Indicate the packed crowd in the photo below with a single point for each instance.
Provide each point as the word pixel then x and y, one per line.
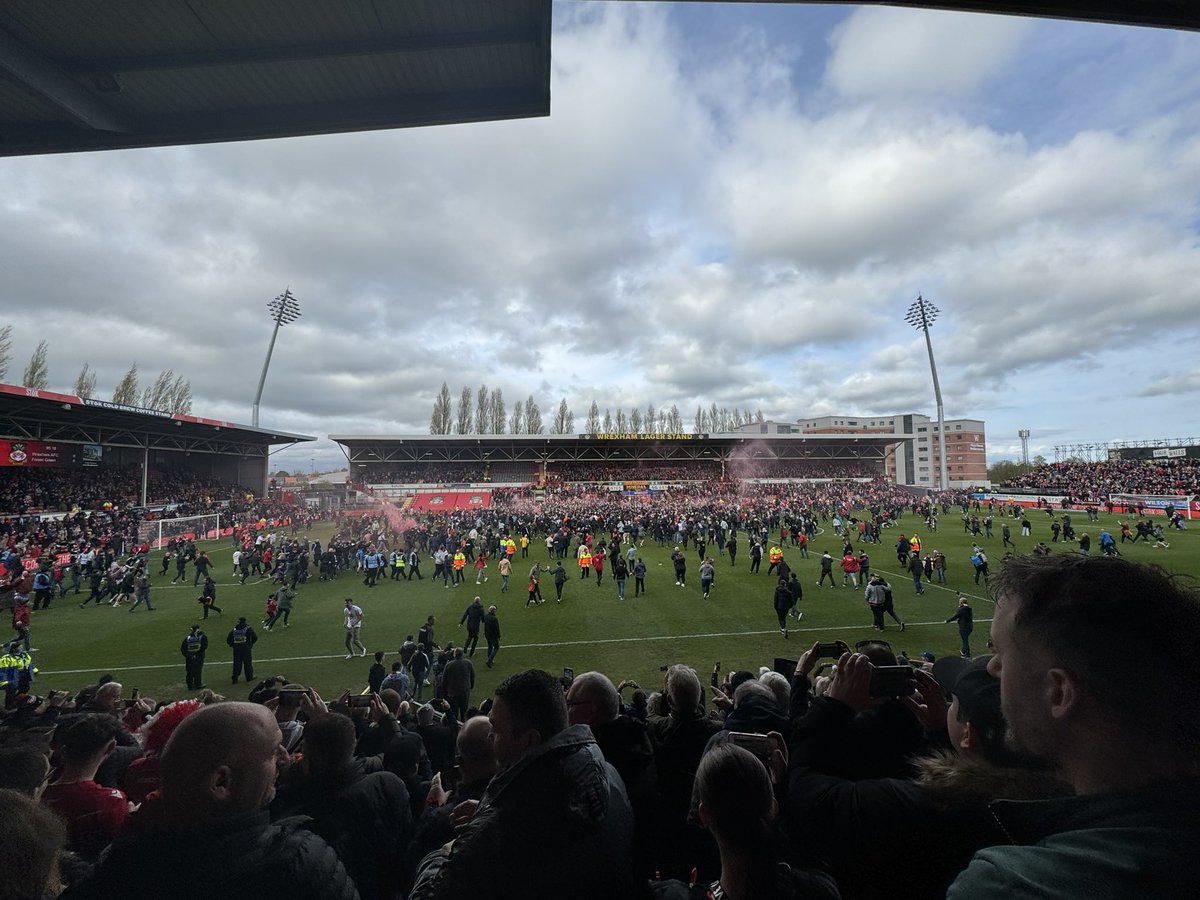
pixel 849 772
pixel 24 491
pixel 1083 481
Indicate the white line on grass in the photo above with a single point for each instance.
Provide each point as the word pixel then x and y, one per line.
pixel 630 640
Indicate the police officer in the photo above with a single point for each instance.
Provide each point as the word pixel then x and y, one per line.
pixel 242 639
pixel 193 649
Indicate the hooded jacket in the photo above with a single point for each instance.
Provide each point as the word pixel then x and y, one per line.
pixel 555 824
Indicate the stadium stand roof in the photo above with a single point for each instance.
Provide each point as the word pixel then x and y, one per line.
pixel 81 75
pixel 373 449
pixel 27 414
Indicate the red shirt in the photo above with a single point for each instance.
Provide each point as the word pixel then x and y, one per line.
pixel 20 617
pixel 94 814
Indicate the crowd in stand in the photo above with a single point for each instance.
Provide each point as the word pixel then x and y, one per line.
pixel 1096 481
pixel 1042 771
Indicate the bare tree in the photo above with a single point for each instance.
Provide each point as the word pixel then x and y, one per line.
pixel 533 417
pixel 158 395
pixel 662 421
pixel 593 418
pixel 439 421
pixel 621 422
pixel 608 422
pixel 714 419
pixel 37 376
pixel 516 422
pixel 482 419
pixel 5 350
pixel 698 422
pixel 181 396
pixel 85 384
pixel 651 420
pixel 758 416
pixel 498 410
pixel 635 421
pixel 674 420
pixel 126 392
pixel 561 418
pixel 462 423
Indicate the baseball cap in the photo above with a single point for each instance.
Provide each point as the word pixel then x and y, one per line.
pixel 978 692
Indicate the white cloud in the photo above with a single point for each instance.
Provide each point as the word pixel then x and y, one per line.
pixel 888 52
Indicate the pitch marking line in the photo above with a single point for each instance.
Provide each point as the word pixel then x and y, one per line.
pixel 631 640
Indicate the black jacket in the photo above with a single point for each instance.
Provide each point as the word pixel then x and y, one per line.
pixel 243 858
pixel 555 824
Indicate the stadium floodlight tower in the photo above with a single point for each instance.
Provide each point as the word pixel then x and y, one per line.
pixel 1023 434
pixel 284 309
pixel 921 315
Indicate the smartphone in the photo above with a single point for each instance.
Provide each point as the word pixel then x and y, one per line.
pixel 892 681
pixel 361 700
pixel 136 694
pixel 786 667
pixel 131 702
pixel 568 674
pixel 758 744
pixel 290 698
pixel 831 649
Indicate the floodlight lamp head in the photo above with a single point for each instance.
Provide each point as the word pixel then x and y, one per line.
pixel 285 308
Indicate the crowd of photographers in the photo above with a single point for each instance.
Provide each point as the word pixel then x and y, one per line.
pixel 1046 770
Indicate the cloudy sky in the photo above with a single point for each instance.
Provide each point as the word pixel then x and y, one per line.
pixel 728 203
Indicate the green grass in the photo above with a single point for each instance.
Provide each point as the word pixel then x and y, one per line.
pixel 590 630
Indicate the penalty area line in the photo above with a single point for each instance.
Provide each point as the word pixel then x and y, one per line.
pixel 540 646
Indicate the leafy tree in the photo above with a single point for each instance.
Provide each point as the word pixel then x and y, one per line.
pixel 180 398
pixel 564 419
pixel 533 417
pixel 593 418
pixel 37 375
pixel 5 350
pixel 126 392
pixel 1006 470
pixel 463 423
pixel 85 383
pixel 439 421
pixel 158 395
pixel 482 419
pixel 498 410
pixel 674 420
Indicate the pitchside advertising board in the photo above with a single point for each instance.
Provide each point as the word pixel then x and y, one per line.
pixel 47 454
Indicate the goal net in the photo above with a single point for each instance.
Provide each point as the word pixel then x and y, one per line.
pixel 1152 502
pixel 158 532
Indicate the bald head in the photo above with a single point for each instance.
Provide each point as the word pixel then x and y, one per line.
pixel 476 761
pixel 221 761
pixel 592 699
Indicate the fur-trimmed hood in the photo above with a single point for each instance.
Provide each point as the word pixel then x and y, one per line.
pixel 953 780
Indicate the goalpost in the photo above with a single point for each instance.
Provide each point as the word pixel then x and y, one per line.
pixel 158 532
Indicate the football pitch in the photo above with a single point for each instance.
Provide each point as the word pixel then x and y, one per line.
pixel 590 629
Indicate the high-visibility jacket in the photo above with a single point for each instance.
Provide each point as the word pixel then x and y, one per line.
pixel 776 555
pixel 460 560
pixel 585 559
pixel 915 543
pixel 510 547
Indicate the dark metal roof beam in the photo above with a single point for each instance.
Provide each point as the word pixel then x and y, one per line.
pixel 42 77
pixel 401 43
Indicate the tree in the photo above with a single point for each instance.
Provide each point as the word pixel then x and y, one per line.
pixel 593 418
pixel 674 420
pixel 37 376
pixel 126 392
pixel 651 419
pixel 158 395
pixel 1006 470
pixel 482 419
pixel 85 384
pixel 533 417
pixel 635 421
pixel 698 422
pixel 714 419
pixel 463 423
pixel 662 420
pixel 180 399
pixel 516 422
pixel 621 422
pixel 498 410
pixel 439 421
pixel 608 421
pixel 758 417
pixel 564 419
pixel 5 350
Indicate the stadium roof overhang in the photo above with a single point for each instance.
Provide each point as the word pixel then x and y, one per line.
pixel 80 75
pixel 64 418
pixel 367 449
